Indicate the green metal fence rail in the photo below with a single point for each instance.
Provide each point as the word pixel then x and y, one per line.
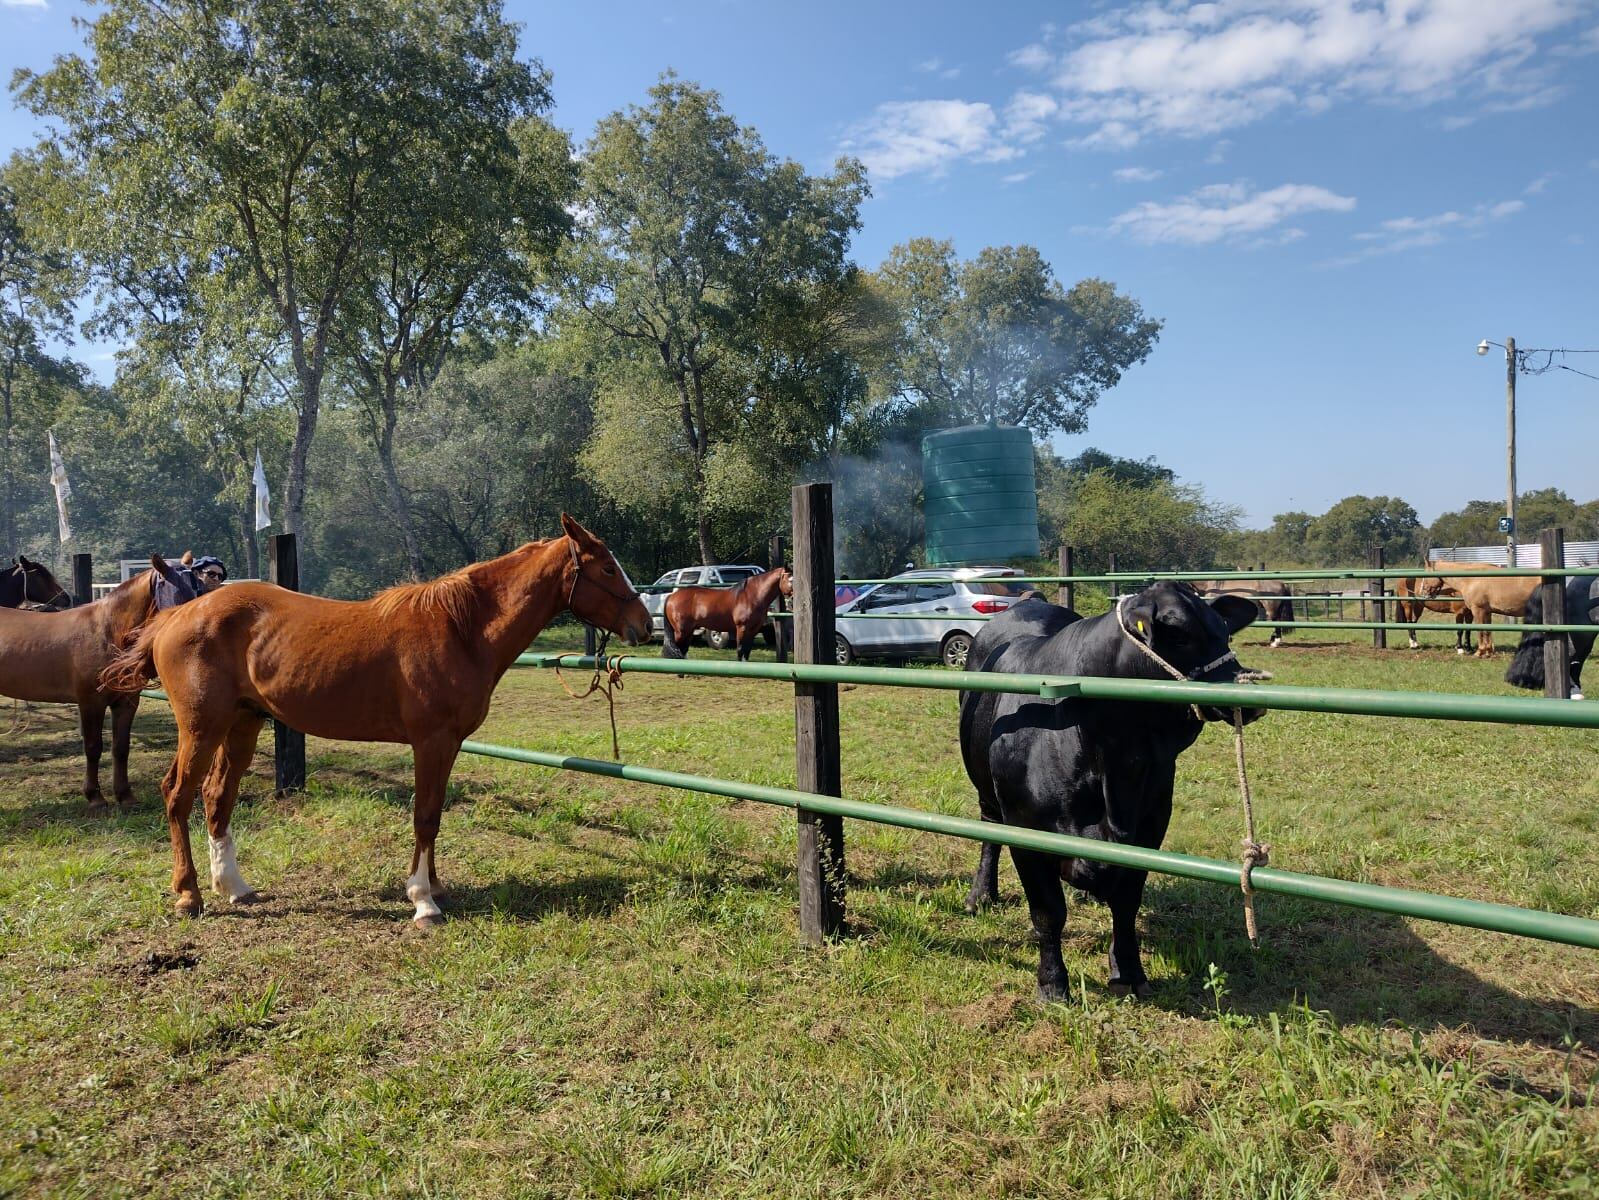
pixel 1440 706
pixel 1404 902
pixel 1360 573
pixel 1510 626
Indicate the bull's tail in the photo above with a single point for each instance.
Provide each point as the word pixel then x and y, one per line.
pixel 134 665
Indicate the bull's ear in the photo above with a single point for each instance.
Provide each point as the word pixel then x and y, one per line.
pixel 1236 612
pixel 1139 617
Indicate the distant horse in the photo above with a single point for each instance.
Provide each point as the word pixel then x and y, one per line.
pixel 57 657
pixel 30 583
pixel 1483 595
pixel 1272 597
pixel 1582 608
pixel 1414 603
pixel 416 664
pixel 739 610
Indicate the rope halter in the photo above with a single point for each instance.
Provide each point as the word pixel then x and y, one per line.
pixel 1256 853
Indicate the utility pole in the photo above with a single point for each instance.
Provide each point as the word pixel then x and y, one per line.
pixel 1510 446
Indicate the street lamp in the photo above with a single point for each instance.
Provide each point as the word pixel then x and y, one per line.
pixel 1509 348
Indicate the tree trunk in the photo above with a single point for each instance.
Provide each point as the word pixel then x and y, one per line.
pixel 399 504
pixel 10 475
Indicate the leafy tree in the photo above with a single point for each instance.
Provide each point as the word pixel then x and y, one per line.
pixel 244 154
pixel 478 217
pixel 1140 472
pixel 693 242
pixel 1347 531
pixel 1162 525
pixel 999 339
pixel 33 305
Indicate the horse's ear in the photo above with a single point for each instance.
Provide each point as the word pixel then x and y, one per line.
pixel 574 530
pixel 23 561
pixel 188 558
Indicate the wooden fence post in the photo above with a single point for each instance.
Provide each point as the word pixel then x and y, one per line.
pixel 1115 587
pixel 1379 637
pixel 1556 646
pixel 816 757
pixel 82 578
pixel 288 745
pixel 774 558
pixel 1068 591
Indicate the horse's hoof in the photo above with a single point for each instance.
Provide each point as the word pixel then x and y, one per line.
pixel 189 906
pixel 1139 991
pixel 1459 651
pixel 428 923
pixel 1054 994
pixel 95 805
pixel 127 801
pixel 1575 696
pixel 247 898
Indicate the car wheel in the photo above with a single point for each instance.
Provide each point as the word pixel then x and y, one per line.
pixel 955 649
pixel 717 640
pixel 842 654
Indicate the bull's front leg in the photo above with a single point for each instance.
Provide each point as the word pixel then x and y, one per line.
pixel 1046 903
pixel 1127 976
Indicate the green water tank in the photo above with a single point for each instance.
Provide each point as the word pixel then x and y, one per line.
pixel 979 498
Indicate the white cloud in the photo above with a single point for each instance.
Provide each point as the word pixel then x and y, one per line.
pixel 24 3
pixel 935 66
pixel 1228 212
pixel 1171 67
pixel 1017 177
pixel 1537 186
pixel 904 136
pixel 1411 233
pixel 1026 114
pixel 1136 174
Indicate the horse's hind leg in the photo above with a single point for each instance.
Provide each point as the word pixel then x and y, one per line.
pixel 433 762
pixel 221 791
pixel 123 710
pixel 91 723
pixel 195 751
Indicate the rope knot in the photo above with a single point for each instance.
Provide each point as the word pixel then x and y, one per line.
pixel 607 678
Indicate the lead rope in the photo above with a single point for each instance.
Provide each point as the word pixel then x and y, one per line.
pixel 1256 854
pixel 607 679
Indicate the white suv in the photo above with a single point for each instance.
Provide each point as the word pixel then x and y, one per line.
pixel 938 608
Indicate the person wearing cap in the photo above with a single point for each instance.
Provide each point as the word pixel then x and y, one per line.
pixel 210 572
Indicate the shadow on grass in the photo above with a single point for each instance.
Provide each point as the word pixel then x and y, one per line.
pixel 1360 966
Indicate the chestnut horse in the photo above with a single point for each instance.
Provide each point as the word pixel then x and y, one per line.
pixel 57 657
pixel 739 610
pixel 1483 595
pixel 416 664
pixel 30 583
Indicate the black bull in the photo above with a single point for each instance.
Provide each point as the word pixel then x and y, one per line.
pixel 1582 608
pixel 1094 768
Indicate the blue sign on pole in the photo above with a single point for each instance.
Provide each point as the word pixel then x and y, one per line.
pixel 1506 525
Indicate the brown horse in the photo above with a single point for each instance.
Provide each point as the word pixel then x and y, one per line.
pixel 57 657
pixel 30 584
pixel 1272 597
pixel 739 610
pixel 1414 603
pixel 416 664
pixel 1482 596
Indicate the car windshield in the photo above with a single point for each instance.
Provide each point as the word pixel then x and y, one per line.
pixel 737 574
pixel 995 587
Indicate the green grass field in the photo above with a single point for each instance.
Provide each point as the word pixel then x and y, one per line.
pixel 619 1006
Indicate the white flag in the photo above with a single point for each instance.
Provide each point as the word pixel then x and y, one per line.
pixel 58 480
pixel 263 514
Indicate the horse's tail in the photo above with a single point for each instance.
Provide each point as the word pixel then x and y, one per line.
pixel 134 665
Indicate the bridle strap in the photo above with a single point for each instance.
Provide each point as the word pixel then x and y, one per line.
pixel 577 574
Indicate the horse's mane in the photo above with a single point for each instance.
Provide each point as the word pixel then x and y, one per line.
pixel 453 595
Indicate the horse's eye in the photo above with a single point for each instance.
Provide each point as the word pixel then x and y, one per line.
pixel 610 570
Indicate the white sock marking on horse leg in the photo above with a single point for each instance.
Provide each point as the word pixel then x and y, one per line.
pixel 225 876
pixel 419 889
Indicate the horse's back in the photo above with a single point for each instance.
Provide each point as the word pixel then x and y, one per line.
pixel 52 657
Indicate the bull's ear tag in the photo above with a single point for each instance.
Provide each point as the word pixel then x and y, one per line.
pixel 1140 627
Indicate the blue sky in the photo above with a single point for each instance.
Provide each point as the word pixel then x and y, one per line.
pixel 1329 202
